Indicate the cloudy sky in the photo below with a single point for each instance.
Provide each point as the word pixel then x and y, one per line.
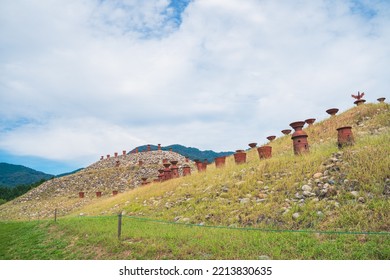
pixel 84 78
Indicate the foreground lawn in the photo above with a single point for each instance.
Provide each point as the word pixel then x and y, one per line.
pixel 96 238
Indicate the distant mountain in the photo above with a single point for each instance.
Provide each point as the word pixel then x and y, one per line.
pixel 191 153
pixel 14 175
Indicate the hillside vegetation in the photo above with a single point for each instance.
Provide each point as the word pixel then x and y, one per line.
pixel 268 207
pixel 348 189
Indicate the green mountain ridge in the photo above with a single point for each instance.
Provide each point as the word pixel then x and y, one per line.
pixel 190 152
pixel 12 175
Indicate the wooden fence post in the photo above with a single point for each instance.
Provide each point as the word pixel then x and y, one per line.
pixel 55 215
pixel 119 225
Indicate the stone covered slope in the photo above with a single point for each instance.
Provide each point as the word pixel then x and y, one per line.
pixel 105 176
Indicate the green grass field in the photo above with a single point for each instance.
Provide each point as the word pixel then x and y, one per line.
pixel 96 238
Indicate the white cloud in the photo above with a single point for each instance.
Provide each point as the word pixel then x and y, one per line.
pixel 69 140
pixel 230 74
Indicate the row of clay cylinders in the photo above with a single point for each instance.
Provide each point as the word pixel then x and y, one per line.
pixel 171 172
pixel 240 155
pixel 98 194
pixel 301 145
pixel 201 166
pixel 115 155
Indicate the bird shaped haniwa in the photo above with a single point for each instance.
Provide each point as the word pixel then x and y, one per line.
pixel 359 96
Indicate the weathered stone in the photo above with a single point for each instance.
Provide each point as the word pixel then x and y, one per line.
pixel 317 175
pixel 355 193
pixel 262 195
pixel 307 193
pixel 306 188
pixel 298 195
pixel 177 218
pixel 244 200
pixel 295 216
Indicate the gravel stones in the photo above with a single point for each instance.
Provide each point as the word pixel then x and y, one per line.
pixel 355 193
pixel 317 175
pixel 295 216
pixel 386 187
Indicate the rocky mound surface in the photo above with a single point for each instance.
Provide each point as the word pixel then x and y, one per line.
pixel 119 173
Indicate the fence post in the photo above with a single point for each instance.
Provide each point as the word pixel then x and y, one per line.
pixel 55 215
pixel 119 225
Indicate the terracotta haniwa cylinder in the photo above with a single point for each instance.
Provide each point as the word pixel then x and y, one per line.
pixel 252 145
pixel 359 102
pixel 332 112
pixel 124 152
pixel 271 138
pixel 114 192
pixel 186 170
pixel 167 171
pixel 161 175
pixel 200 166
pixel 310 121
pixel 299 137
pixel 205 163
pixel 381 99
pixel 344 136
pixel 240 157
pixel 264 152
pixel 158 147
pixel 144 181
pixel 286 131
pixel 81 194
pixel 220 162
pixel 148 148
pixel 98 194
pixel 174 169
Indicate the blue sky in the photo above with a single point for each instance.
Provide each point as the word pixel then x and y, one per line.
pixel 80 79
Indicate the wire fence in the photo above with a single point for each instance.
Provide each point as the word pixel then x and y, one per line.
pixel 120 218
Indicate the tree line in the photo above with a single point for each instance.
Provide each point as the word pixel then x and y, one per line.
pixel 7 194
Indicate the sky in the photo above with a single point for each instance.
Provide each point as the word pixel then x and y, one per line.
pixel 85 78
